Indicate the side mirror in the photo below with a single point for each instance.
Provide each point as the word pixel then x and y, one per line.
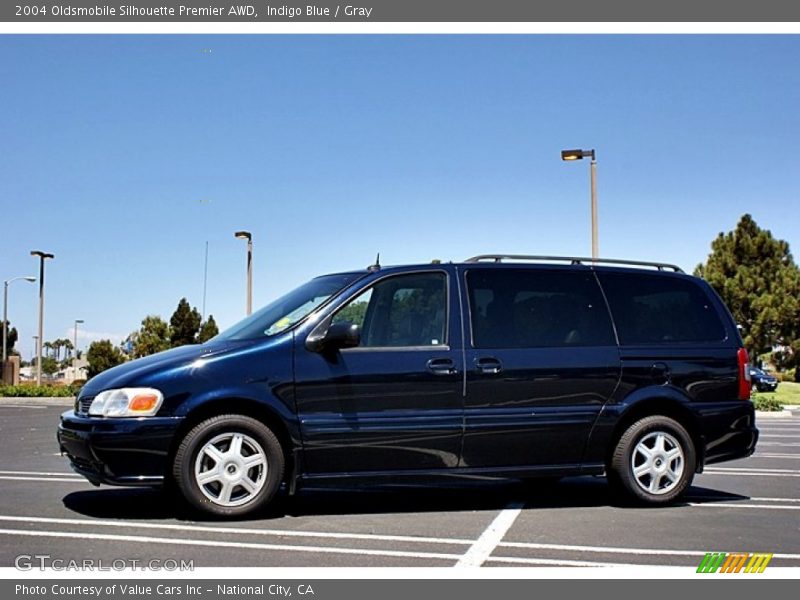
pixel 334 337
pixel 343 335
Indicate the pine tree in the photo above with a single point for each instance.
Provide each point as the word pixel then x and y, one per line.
pixel 184 324
pixel 153 336
pixel 757 278
pixel 208 330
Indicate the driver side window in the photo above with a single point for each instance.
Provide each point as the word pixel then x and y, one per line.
pixel 402 311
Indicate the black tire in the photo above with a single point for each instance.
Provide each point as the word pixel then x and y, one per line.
pixel 667 474
pixel 255 442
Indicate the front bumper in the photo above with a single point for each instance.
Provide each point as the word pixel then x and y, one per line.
pixel 133 451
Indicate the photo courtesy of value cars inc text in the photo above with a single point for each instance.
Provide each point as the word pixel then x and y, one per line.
pixel 172 589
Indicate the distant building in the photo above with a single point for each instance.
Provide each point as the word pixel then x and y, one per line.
pixel 65 376
pixel 70 374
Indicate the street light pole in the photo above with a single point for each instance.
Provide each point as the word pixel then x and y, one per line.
pixel 5 317
pixel 593 168
pixel 75 350
pixel 246 235
pixel 579 154
pixel 42 257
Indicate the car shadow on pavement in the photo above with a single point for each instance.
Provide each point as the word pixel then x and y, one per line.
pixel 572 492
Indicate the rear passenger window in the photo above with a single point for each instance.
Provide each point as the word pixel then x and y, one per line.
pixel 534 308
pixel 657 309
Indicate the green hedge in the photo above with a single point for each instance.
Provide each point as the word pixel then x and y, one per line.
pixel 767 403
pixel 38 391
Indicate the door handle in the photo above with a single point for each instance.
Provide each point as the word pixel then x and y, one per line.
pixel 488 366
pixel 442 366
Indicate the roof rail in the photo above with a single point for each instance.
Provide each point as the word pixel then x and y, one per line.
pixel 575 260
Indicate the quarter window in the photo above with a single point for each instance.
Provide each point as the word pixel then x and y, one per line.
pixel 533 308
pixel 407 310
pixel 657 309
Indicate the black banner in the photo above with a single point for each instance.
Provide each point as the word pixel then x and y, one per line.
pixel 496 11
pixel 335 589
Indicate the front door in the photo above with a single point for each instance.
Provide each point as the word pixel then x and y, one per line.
pixel 395 402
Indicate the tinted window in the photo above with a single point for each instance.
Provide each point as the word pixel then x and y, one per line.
pixel 529 308
pixel 656 309
pixel 407 310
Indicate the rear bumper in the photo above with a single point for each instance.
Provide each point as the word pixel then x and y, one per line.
pixel 118 451
pixel 728 430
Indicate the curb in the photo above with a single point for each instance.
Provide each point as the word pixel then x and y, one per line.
pixel 39 401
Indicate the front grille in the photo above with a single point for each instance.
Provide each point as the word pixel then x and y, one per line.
pixel 82 405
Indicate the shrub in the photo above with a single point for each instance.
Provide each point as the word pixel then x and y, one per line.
pixel 37 391
pixel 766 403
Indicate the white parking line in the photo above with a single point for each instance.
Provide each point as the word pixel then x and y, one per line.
pixel 222 544
pixel 750 499
pixel 723 505
pixel 775 455
pixel 785 444
pixel 493 535
pixel 777 435
pixel 735 469
pixel 753 473
pixel 48 473
pixel 616 550
pixel 14 478
pixel 236 530
pixel 556 562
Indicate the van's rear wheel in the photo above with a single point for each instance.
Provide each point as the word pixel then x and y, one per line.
pixel 230 465
pixel 654 460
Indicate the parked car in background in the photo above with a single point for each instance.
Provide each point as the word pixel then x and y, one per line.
pixel 762 380
pixel 495 367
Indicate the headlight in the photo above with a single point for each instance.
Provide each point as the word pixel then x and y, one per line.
pixel 127 402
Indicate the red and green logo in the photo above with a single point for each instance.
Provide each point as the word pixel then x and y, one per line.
pixel 734 562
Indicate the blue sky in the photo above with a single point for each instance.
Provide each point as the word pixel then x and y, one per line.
pixel 123 155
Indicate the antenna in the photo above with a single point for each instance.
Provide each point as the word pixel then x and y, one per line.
pixel 377 265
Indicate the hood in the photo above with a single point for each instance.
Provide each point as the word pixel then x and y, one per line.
pixel 145 371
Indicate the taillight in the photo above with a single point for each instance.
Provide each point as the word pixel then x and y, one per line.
pixel 744 374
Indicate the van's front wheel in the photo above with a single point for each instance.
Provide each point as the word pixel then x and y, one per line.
pixel 654 460
pixel 230 465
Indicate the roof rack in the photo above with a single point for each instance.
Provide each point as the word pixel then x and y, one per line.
pixel 575 260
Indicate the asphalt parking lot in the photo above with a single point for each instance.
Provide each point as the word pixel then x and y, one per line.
pixel 744 506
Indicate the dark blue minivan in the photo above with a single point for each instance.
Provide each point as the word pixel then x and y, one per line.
pixel 497 367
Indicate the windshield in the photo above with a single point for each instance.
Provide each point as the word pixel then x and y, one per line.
pixel 287 310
